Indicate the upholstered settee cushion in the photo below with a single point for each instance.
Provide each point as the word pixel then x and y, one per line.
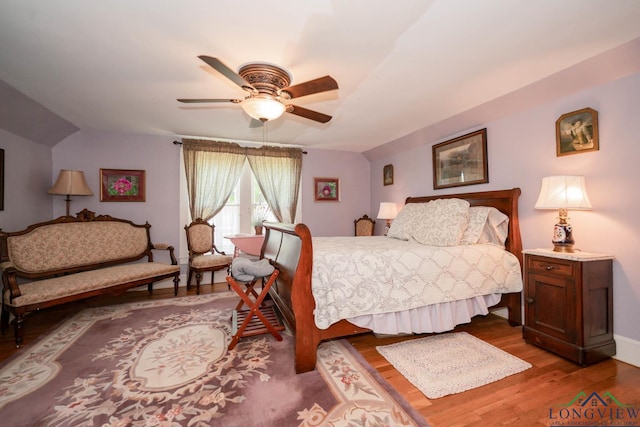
pixel 69 245
pixel 73 284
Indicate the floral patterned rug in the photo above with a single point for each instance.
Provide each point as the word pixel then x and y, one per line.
pixel 165 363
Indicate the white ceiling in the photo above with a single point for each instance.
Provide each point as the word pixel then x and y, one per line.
pixel 401 66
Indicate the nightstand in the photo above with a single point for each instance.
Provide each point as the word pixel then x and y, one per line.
pixel 569 304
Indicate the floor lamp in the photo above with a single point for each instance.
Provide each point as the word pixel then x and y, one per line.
pixel 70 183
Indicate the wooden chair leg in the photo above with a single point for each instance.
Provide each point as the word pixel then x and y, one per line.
pixel 198 280
pixel 4 320
pixel 189 277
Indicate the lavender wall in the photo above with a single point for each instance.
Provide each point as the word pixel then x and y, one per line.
pixel 521 151
pixel 335 218
pixel 27 177
pixel 92 150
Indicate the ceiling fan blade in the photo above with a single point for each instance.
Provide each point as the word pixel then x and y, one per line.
pixel 194 101
pixel 217 65
pixel 321 84
pixel 308 114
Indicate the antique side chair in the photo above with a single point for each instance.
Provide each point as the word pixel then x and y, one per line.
pixel 203 254
pixel 364 226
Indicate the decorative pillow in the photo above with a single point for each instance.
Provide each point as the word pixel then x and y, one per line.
pixel 496 229
pixel 486 225
pixel 402 225
pixel 441 222
pixel 477 220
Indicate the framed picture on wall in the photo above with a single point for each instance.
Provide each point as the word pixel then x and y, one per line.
pixel 577 132
pixel 122 185
pixel 326 189
pixel 461 161
pixel 387 175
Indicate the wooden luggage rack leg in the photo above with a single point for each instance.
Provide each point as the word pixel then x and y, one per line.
pixel 266 317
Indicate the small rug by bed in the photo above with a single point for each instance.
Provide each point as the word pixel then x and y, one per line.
pixel 165 363
pixel 450 363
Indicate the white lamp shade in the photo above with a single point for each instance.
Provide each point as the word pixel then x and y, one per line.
pixel 387 210
pixel 568 192
pixel 263 107
pixel 71 183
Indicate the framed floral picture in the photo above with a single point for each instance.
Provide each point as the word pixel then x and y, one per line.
pixel 326 189
pixel 122 185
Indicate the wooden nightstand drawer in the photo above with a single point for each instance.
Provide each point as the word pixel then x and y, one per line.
pixel 569 304
pixel 550 266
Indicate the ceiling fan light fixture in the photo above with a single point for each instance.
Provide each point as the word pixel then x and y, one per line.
pixel 263 107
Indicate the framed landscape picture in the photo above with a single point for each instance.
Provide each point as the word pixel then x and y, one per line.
pixel 122 185
pixel 461 161
pixel 326 189
pixel 577 132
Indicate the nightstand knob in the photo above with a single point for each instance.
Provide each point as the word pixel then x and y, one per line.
pixel 529 300
pixel 549 267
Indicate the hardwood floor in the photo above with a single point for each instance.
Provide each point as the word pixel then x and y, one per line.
pixel 529 398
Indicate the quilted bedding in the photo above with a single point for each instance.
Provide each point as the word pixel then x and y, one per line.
pixel 354 276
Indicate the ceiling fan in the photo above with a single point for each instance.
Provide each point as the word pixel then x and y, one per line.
pixel 269 90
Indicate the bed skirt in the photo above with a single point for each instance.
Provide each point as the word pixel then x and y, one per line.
pixel 433 318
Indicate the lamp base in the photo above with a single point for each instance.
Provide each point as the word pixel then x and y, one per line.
pixel 562 237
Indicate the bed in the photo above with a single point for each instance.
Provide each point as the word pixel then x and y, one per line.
pixel 318 304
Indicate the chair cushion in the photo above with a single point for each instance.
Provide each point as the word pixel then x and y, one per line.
pixel 210 261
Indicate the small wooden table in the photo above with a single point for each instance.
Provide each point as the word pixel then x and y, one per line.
pixel 248 243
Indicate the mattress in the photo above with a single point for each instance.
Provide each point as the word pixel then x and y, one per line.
pixel 363 276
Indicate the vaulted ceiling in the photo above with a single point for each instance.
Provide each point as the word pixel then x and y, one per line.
pixel 400 66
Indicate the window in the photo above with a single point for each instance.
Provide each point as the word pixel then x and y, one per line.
pixel 236 216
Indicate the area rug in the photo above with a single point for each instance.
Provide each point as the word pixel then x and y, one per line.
pixel 165 363
pixel 450 363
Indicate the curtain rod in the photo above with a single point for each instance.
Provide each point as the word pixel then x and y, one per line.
pixel 180 143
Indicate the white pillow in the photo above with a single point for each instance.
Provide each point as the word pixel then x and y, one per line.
pixel 441 222
pixel 477 220
pixel 496 229
pixel 402 225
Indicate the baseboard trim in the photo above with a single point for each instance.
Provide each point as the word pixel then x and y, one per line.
pixel 627 350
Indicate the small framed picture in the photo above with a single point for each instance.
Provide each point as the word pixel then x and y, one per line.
pixel 461 161
pixel 387 175
pixel 122 185
pixel 577 132
pixel 326 189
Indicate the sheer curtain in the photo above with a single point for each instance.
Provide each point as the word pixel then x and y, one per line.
pixel 212 170
pixel 277 171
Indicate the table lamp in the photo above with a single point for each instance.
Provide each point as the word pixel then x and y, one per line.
pixel 563 193
pixel 388 211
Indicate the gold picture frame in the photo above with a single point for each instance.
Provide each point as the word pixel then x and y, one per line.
pixel 461 161
pixel 387 175
pixel 577 132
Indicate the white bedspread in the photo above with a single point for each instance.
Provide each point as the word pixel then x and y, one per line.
pixel 354 276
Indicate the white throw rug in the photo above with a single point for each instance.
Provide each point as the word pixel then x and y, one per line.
pixel 450 363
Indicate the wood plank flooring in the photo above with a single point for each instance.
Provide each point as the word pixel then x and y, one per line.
pixel 524 399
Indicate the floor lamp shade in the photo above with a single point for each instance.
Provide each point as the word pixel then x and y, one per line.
pixel 70 183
